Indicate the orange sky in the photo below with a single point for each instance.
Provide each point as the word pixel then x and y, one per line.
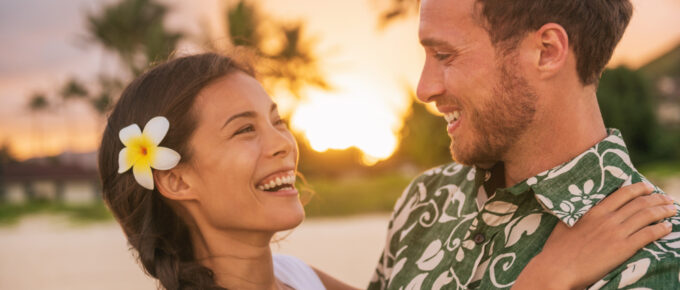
pixel 369 67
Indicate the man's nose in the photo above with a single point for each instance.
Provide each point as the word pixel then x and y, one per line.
pixel 431 82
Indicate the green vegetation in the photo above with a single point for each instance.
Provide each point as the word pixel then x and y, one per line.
pixel 661 170
pixel 332 197
pixel 347 196
pixel 86 213
pixel 424 141
pixel 628 102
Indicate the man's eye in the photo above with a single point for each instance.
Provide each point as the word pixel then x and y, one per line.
pixel 246 129
pixel 441 56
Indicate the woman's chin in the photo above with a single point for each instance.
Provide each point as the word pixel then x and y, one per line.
pixel 293 219
pixel 286 219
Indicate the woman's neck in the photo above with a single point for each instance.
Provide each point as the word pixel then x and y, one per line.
pixel 239 259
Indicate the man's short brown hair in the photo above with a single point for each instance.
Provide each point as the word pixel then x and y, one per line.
pixel 594 27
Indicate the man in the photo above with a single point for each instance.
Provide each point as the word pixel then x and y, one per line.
pixel 516 82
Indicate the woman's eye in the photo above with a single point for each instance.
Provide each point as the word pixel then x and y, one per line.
pixel 246 129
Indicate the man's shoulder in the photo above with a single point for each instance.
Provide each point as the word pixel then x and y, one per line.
pixel 425 185
pixel 450 173
pixel 656 266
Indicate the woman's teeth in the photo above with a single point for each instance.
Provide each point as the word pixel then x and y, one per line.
pixel 280 183
pixel 452 117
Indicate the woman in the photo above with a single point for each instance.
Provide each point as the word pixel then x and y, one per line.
pixel 223 183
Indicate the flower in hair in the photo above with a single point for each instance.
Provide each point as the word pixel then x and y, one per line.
pixel 142 152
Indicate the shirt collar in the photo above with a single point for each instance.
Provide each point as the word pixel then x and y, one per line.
pixel 569 190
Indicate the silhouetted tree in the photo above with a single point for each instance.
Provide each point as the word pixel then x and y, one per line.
pixel 134 31
pixel 38 105
pixel 626 103
pixel 424 141
pixel 284 57
pixel 396 9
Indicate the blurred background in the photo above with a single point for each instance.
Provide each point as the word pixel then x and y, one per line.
pixel 343 73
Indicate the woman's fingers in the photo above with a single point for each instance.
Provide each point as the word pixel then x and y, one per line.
pixel 647 216
pixel 647 235
pixel 622 196
pixel 647 203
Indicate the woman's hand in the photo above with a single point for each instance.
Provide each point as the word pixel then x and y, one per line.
pixel 606 236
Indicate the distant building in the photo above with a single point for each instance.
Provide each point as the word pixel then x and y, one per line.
pixel 70 178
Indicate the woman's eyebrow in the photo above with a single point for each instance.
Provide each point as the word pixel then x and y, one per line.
pixel 247 114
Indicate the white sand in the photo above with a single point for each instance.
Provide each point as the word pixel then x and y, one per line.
pixel 45 252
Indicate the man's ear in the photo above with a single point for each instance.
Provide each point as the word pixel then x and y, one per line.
pixel 552 44
pixel 173 185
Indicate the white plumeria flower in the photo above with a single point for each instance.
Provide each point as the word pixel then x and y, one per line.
pixel 142 152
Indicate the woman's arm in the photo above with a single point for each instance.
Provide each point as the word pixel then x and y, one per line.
pixel 606 236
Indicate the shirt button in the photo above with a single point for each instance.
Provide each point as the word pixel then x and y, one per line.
pixel 479 238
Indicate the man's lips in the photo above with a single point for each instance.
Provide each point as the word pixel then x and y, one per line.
pixel 452 115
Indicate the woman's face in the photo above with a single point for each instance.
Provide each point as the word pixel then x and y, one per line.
pixel 244 159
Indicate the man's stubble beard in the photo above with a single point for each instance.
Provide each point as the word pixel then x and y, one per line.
pixel 499 123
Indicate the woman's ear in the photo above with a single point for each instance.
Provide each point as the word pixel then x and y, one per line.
pixel 173 185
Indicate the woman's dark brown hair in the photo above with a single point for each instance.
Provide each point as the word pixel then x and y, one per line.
pixel 158 234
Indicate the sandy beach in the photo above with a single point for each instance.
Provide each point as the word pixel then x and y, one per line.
pixel 47 252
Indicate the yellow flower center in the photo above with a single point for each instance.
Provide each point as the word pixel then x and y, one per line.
pixel 141 150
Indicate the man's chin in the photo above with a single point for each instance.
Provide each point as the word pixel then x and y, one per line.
pixel 459 157
pixel 470 158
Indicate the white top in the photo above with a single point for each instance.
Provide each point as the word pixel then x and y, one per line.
pixel 296 273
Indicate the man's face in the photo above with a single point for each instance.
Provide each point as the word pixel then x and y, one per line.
pixel 483 95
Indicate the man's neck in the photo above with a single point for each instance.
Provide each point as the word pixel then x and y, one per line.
pixel 559 136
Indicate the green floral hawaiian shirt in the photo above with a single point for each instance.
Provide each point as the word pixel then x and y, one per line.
pixel 455 228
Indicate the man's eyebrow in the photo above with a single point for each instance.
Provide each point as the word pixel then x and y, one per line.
pixel 248 114
pixel 429 42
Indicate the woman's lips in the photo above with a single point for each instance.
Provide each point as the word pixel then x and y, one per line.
pixel 281 183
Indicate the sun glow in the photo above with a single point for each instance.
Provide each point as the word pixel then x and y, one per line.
pixel 340 122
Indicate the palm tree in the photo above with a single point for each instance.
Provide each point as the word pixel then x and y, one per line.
pixel 291 65
pixel 134 31
pixel 38 104
pixel 72 90
pixel 397 9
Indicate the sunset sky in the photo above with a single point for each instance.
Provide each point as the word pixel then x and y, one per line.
pixel 44 43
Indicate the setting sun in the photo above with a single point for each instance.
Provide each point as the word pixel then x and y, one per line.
pixel 340 121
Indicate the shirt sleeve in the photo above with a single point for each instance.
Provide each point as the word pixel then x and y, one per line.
pixel 656 266
pixel 642 274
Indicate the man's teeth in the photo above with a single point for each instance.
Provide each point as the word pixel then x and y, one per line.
pixel 281 180
pixel 452 117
